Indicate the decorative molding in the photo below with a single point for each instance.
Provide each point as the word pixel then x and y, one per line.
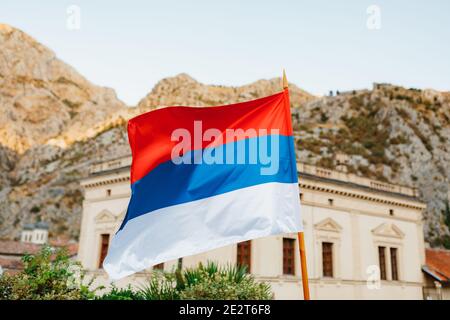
pixel 105 216
pixel 361 196
pixel 106 182
pixel 328 224
pixel 389 230
pixel 360 212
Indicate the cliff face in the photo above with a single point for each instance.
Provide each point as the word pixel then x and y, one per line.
pixel 47 111
pixel 388 133
pixel 54 124
pixel 43 98
pixel 184 90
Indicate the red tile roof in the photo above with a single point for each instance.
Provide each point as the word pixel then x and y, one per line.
pixel 10 247
pixel 438 262
pixel 12 251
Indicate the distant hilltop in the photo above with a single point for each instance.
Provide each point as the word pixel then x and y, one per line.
pixel 54 124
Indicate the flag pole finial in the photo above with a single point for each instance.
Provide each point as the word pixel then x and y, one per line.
pixel 285 82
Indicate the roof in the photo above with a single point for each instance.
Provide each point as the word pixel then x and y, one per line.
pixel 356 186
pixel 41 225
pixel 11 252
pixel 17 248
pixel 11 264
pixel 38 225
pixel 28 226
pixel 437 264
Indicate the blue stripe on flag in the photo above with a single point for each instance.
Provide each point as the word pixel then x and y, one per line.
pixel 171 184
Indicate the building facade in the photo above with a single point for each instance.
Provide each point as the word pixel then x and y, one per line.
pixel 36 233
pixel 364 238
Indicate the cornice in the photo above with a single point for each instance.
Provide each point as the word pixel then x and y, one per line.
pixel 356 195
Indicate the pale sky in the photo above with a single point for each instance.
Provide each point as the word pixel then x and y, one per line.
pixel 324 45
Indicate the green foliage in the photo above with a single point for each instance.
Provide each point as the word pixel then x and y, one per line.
pixel 400 139
pixel 231 282
pixel 120 294
pixel 204 282
pixel 160 286
pixel 447 214
pixel 443 241
pixel 35 209
pixel 47 275
pixel 51 275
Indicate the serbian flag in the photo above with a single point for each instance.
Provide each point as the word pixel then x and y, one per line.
pixel 203 178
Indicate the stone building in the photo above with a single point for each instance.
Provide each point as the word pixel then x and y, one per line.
pixel 36 233
pixel 364 238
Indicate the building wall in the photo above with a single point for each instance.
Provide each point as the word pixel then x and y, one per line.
pixel 431 292
pixel 37 236
pixel 356 222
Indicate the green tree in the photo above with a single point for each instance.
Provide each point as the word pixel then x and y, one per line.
pixel 47 275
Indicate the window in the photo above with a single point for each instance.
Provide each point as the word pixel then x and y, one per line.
pixel 391 212
pixel 288 256
pixel 394 267
pixel 327 259
pixel 244 252
pixel 103 248
pixel 330 202
pixel 382 262
pixel 108 192
pixel 301 196
pixel 159 266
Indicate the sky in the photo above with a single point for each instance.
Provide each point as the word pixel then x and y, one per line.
pixel 323 45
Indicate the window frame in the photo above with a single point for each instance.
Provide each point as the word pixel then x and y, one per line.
pixel 382 266
pixel 102 257
pixel 292 264
pixel 399 263
pixel 248 245
pixel 396 273
pixel 329 244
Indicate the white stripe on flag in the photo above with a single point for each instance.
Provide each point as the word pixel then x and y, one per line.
pixel 202 225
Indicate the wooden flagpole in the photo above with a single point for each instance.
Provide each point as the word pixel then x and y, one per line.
pixel 301 237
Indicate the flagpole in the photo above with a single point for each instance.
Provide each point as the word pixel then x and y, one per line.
pixel 301 236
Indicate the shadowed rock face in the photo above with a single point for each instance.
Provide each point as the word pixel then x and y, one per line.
pixel 54 124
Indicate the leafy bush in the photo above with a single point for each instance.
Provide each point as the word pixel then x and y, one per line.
pixel 120 294
pixel 204 282
pixel 48 275
pixel 51 275
pixel 228 283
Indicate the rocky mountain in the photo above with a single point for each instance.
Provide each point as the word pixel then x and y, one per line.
pixel 391 134
pixel 43 99
pixel 54 124
pixel 184 90
pixel 47 110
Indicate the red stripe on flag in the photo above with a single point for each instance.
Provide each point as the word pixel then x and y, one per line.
pixel 150 134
